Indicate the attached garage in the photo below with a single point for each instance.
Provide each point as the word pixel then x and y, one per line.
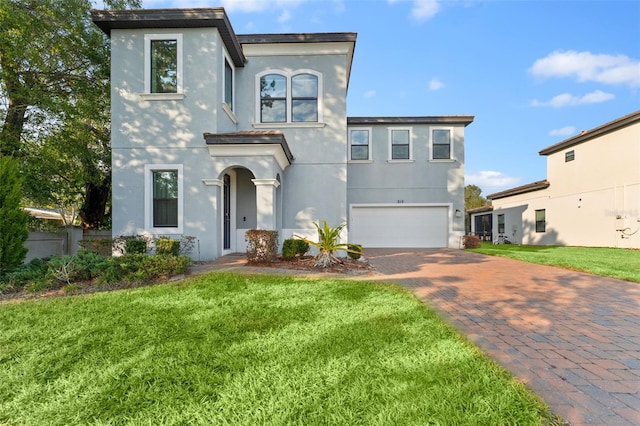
pixel 399 225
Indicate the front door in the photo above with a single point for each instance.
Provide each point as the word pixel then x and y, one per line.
pixel 226 225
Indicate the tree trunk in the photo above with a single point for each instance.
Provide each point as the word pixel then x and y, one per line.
pixel 12 129
pixel 93 208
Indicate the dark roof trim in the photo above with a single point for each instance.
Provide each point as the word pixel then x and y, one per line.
pixel 444 119
pixel 531 187
pixel 593 133
pixel 297 38
pixel 269 137
pixel 483 209
pixel 108 20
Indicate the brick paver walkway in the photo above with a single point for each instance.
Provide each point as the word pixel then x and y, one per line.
pixel 573 338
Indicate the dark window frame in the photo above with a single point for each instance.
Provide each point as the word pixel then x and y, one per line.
pixel 501 226
pixel 165 208
pixel 541 220
pixel 170 69
pixel 399 145
pixel 569 156
pixel 437 144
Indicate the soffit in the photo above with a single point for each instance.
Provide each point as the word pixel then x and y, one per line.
pixel 251 143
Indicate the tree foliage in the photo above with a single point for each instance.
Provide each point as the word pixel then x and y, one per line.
pixel 54 83
pixel 473 198
pixel 13 219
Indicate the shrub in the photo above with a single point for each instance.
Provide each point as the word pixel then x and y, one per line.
pixel 262 245
pixel 294 247
pixel 135 246
pixel 168 246
pixel 62 269
pixel 471 241
pixel 32 272
pixel 354 251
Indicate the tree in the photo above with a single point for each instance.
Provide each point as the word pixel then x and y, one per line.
pixel 54 79
pixel 13 219
pixel 472 197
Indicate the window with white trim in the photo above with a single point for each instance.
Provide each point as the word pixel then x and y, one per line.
pixel 359 143
pixel 441 143
pixel 289 97
pixel 400 143
pixel 163 198
pixel 163 64
pixel 229 82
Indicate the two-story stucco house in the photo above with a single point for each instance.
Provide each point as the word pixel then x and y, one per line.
pixel 591 196
pixel 215 133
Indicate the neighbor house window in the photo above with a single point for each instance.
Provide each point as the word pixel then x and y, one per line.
pixel 569 156
pixel 541 222
pixel 400 140
pixel 360 143
pixel 500 224
pixel 441 144
pixel 290 97
pixel 163 200
pixel 163 63
pixel 228 84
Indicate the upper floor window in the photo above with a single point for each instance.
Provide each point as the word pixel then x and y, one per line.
pixel 569 156
pixel 441 144
pixel 228 83
pixel 290 97
pixel 360 144
pixel 163 63
pixel 400 143
pixel 541 220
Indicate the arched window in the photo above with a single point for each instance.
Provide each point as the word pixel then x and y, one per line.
pixel 304 98
pixel 273 98
pixel 290 97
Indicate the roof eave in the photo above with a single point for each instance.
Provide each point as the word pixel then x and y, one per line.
pixel 108 20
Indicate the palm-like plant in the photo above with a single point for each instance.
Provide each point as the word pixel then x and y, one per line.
pixel 327 244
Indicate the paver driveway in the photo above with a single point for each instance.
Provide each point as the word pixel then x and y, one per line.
pixel 573 338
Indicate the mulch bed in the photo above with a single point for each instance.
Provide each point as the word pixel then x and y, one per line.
pixel 346 266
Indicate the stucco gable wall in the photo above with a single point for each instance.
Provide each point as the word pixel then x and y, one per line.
pixel 520 219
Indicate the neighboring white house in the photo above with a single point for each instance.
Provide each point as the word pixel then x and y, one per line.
pixel 215 133
pixel 591 196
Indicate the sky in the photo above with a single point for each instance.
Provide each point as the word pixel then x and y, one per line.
pixel 533 73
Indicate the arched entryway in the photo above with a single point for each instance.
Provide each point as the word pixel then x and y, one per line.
pixel 238 207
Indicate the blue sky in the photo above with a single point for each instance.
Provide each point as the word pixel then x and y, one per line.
pixel 533 73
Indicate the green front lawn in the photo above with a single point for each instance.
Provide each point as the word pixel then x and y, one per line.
pixel 235 349
pixel 607 262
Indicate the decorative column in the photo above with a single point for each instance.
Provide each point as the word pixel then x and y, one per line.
pixel 265 203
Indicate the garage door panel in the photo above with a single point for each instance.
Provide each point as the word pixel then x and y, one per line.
pixel 401 226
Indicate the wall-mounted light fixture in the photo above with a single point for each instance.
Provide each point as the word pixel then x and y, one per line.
pixel 458 213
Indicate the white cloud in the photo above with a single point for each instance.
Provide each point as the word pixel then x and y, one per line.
pixel 490 181
pixel 563 131
pixel 369 93
pixel 435 84
pixel 567 99
pixel 589 67
pixel 422 10
pixel 284 17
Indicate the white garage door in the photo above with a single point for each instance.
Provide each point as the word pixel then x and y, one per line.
pixel 399 226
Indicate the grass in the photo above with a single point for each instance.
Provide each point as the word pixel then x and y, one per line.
pixel 607 262
pixel 232 349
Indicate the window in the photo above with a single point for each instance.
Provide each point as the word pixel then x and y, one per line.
pixel 359 141
pixel 163 200
pixel 500 224
pixel 541 223
pixel 228 83
pixel 163 63
pixel 290 98
pixel 441 144
pixel 273 98
pixel 304 101
pixel 569 156
pixel 400 144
